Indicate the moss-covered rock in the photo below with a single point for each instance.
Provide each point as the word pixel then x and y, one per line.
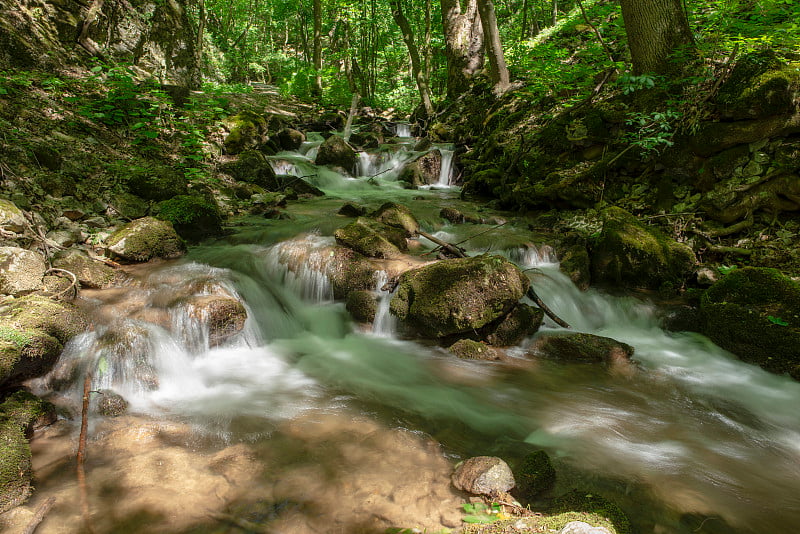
pixel 755 314
pixel 372 238
pixel 11 217
pixel 581 348
pixel 110 404
pixel 252 167
pixel 424 170
pixel 759 86
pixel 351 209
pixel 336 151
pixel 629 254
pixel 145 239
pixel 606 513
pixel 127 206
pixel 193 217
pixel 157 183
pixel 247 130
pixel 509 330
pixel 90 273
pixel 459 295
pixel 223 316
pixel 362 305
pixel 397 216
pixel 535 474
pixel 468 349
pixel 15 465
pixel 21 270
pixel 291 139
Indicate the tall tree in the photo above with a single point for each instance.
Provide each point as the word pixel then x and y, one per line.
pixel 317 87
pixel 494 49
pixel 655 29
pixel 417 69
pixel 463 43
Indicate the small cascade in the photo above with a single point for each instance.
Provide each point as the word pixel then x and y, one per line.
pixel 530 256
pixel 385 324
pixel 304 265
pixel 402 129
pixel 446 172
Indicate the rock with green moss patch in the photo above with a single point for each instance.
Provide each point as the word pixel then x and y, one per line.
pixel 127 206
pixel 362 305
pixel 351 209
pixel 252 167
pixel 459 295
pixel 509 330
pixel 759 86
pixel 145 239
pixel 630 254
pixel 755 314
pixel 337 152
pixel 535 474
pixel 372 238
pixel 247 130
pixel 397 216
pixel 468 349
pixel 605 512
pixel 15 465
pixel 157 183
pixel 581 348
pixel 424 170
pixel 349 271
pixel 291 139
pixel 90 273
pixel 21 270
pixel 193 217
pixel 11 217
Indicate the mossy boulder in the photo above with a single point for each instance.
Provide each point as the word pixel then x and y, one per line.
pixel 522 321
pixel 349 271
pixel 247 130
pixel 337 152
pixel 535 474
pixel 27 411
pixel 755 313
pixel 12 219
pixel 223 316
pixel 193 217
pixel 602 511
pixel 468 349
pixel 362 305
pixel 15 465
pixel 760 85
pixel 630 254
pixel 459 295
pixel 291 139
pixel 397 216
pixel 145 239
pixel 252 167
pixel 33 331
pixel 581 348
pixel 158 183
pixel 21 270
pixel 90 273
pixel 424 170
pixel 372 238
pixel 351 209
pixel 110 404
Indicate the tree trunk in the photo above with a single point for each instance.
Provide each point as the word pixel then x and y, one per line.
pixel 316 90
pixel 655 29
pixel 416 65
pixel 463 40
pixel 498 70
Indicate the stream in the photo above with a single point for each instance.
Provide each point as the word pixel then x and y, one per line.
pixel 305 422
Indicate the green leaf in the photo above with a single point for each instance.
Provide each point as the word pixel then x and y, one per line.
pixel 777 320
pixel 482 519
pixel 102 366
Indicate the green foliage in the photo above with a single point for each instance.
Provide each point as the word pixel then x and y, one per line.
pixel 630 83
pixel 483 513
pixel 652 131
pixel 777 320
pixel 726 269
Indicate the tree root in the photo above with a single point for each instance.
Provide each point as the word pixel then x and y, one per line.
pixel 73 285
pixel 84 490
pixel 38 517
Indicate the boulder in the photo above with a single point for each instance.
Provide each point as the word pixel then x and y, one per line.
pixel 349 271
pixel 145 239
pixel 362 305
pixel 397 216
pixel 157 183
pixel 535 475
pixel 632 255
pixel 372 238
pixel 483 475
pixel 351 209
pixel 291 139
pixel 110 404
pixel 127 206
pixel 522 321
pixel 247 130
pixel 337 152
pixel 459 295
pixel 424 170
pixel 468 349
pixel 91 274
pixel 581 348
pixel 11 217
pixel 579 527
pixel 251 167
pixel 15 465
pixel 755 314
pixel 594 508
pixel 193 217
pixel 224 316
pixel 21 270
pixel 33 330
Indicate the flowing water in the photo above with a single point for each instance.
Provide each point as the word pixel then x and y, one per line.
pixel 303 416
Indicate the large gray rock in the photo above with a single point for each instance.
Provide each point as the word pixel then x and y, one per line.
pixel 483 475
pixel 21 270
pixel 145 239
pixel 336 151
pixel 459 295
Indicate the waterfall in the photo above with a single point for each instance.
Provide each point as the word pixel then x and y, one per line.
pixel 385 324
pixel 403 129
pixel 446 172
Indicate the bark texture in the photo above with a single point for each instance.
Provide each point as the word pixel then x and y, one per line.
pixel 655 29
pixel 463 36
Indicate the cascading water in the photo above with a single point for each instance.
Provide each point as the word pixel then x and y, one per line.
pixel 690 432
pixel 446 172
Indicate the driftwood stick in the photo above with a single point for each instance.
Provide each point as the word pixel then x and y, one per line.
pixel 38 517
pixel 84 492
pixel 459 252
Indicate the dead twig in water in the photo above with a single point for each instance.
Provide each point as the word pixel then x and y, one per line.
pixel 84 491
pixel 38 517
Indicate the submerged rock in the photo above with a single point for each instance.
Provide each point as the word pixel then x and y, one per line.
pixel 755 314
pixel 581 348
pixel 535 475
pixel 483 475
pixel 459 295
pixel 397 216
pixel 21 270
pixel 336 151
pixel 509 330
pixel 372 238
pixel 468 349
pixel 362 305
pixel 629 254
pixel 145 239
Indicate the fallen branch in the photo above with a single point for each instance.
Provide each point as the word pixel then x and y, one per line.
pixel 72 285
pixel 38 517
pixel 454 250
pixel 84 491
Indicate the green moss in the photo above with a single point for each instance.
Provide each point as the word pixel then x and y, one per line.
pixel 193 217
pixel 144 239
pixel 589 503
pixel 535 475
pixel 397 216
pixel 15 465
pixel 372 238
pixel 246 129
pixel 24 409
pixel 156 183
pixel 362 305
pixel 349 271
pixel 467 349
pixel 760 85
pixel 541 524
